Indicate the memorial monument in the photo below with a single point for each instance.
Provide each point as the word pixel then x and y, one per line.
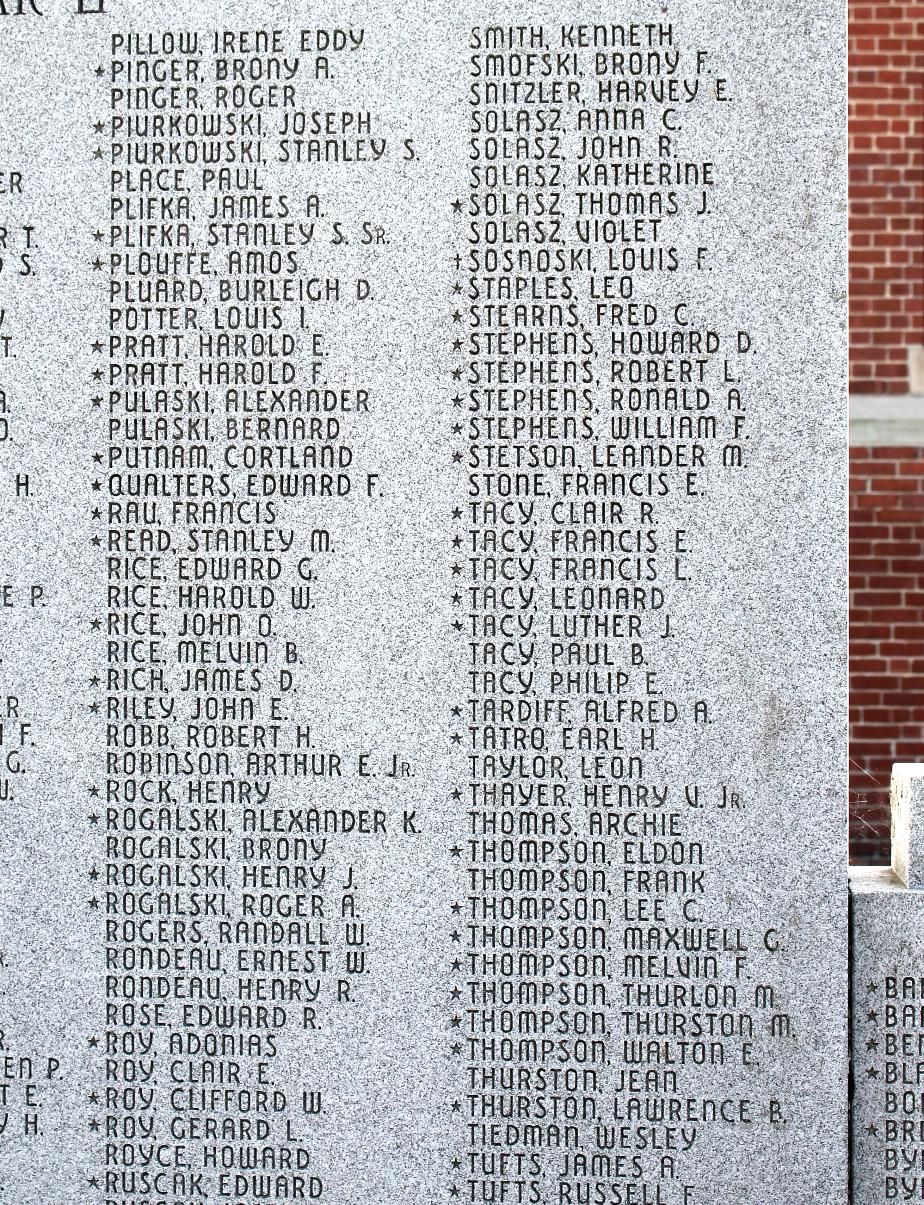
pixel 887 942
pixel 422 462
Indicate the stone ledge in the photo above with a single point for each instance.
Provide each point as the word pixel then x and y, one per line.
pixel 886 420
pixel 874 878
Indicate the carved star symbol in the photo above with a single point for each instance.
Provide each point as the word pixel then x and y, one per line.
pixel 872 1073
pixel 872 987
pixel 97 402
pixel 94 707
pixel 100 72
pixel 456 288
pixel 94 1042
pixel 457 374
pixel 457 428
pixel 456 907
pixel 97 264
pixel 98 127
pixel 97 458
pixel 98 345
pixel 456 570
pixel 96 541
pixel 872 1043
pixel 454 1191
pixel 456 935
pixel 457 1163
pixel 872 1128
pixel 457 458
pixel 93 1098
pixel 455 1021
pixel 457 512
pixel 456 993
pixel 457 345
pixel 98 153
pixel 94 903
pixel 96 624
pixel 457 1106
pixel 457 624
pixel 872 1015
pixel 94 874
pixel 93 1182
pixel 457 206
pixel 94 1124
pixel 457 541
pixel 94 791
pixel 456 1048
pixel 97 374
pixel 97 513
pixel 457 315
pixel 457 793
pixel 97 236
pixel 456 851
pixel 457 598
pixel 457 964
pixel 457 738
pixel 93 818
pixel 457 401
pixel 97 485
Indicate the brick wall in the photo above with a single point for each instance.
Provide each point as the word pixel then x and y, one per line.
pixel 886 633
pixel 886 218
pixel 886 163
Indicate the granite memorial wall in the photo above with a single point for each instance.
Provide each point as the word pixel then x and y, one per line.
pixel 422 463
